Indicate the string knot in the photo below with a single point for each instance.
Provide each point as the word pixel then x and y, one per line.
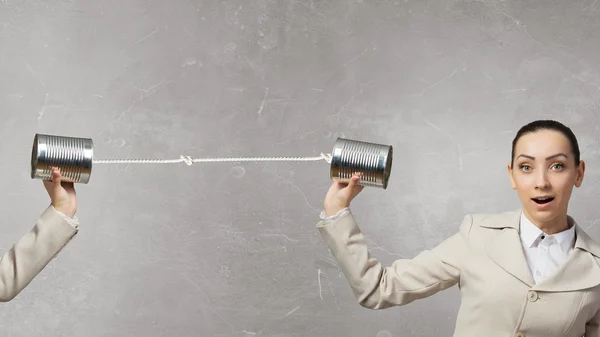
pixel 187 160
pixel 327 157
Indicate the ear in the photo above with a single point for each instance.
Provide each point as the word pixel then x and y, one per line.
pixel 510 176
pixel 580 173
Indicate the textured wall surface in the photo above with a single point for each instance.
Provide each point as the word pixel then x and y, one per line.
pixel 231 249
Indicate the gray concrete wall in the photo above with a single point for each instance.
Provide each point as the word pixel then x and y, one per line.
pixel 231 249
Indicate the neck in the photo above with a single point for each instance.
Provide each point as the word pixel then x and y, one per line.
pixel 551 226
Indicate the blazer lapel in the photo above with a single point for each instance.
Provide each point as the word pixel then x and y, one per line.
pixel 580 271
pixel 505 248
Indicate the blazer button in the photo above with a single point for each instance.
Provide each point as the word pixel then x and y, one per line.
pixel 533 296
pixel 519 334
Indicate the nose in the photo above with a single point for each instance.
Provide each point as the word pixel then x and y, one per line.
pixel 542 180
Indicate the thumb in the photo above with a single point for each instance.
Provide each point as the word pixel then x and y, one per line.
pixel 354 181
pixel 353 187
pixel 56 179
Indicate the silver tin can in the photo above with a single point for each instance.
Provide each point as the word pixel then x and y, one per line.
pixel 373 161
pixel 73 156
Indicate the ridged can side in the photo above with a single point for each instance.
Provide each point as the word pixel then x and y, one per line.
pixel 373 161
pixel 73 156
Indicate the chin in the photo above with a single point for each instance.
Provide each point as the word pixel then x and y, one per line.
pixel 545 215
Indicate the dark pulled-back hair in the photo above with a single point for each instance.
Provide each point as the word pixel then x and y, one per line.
pixel 541 125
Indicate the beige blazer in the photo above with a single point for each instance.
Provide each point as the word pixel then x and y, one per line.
pixel 486 260
pixel 32 252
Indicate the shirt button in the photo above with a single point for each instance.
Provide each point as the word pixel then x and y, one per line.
pixel 532 296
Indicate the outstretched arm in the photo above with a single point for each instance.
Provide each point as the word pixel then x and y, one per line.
pixel 30 254
pixel 53 230
pixel 406 280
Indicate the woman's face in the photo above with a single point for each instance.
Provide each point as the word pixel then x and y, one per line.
pixel 543 174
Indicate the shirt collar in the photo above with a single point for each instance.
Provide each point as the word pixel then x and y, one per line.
pixel 530 234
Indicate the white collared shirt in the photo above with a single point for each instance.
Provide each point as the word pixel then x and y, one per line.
pixel 544 253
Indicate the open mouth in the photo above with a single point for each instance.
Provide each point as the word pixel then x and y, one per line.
pixel 542 200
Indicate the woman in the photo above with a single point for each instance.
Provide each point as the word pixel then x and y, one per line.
pixel 532 272
pixel 53 230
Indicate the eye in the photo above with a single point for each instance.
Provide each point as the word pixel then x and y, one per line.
pixel 558 166
pixel 525 167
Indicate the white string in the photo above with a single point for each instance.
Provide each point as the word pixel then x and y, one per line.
pixel 189 160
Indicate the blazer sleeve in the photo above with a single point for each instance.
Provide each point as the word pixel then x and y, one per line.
pixel 32 252
pixel 406 280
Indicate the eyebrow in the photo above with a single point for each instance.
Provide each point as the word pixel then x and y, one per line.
pixel 547 158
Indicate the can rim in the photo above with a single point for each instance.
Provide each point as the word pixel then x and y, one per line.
pixel 387 170
pixel 34 155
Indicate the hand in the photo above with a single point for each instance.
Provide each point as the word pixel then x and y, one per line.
pixel 340 195
pixel 62 194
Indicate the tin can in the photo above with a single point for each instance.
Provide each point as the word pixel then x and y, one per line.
pixel 73 156
pixel 373 161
